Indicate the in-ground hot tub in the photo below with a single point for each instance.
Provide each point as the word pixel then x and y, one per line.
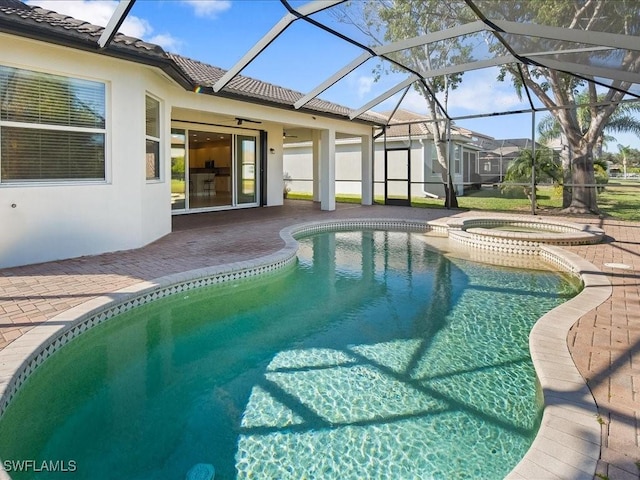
pixel 521 235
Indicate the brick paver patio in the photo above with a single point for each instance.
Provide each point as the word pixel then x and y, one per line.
pixel 605 343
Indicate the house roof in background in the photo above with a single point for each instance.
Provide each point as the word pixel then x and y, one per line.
pixel 405 122
pixel 37 23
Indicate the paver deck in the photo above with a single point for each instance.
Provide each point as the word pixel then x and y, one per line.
pixel 604 343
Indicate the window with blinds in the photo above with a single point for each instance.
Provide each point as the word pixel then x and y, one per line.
pixel 52 128
pixel 152 159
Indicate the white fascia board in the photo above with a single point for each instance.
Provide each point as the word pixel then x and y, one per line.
pixel 336 77
pixel 603 39
pixel 466 29
pixel 591 71
pixel 384 96
pixel 119 14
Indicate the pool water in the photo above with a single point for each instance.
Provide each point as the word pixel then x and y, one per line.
pixel 374 357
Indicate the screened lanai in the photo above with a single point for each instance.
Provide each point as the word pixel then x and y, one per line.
pixel 572 61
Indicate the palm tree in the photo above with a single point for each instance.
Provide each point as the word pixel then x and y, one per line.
pixel 519 171
pixel 625 151
pixel 623 120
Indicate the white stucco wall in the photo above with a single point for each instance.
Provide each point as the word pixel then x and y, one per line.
pixel 62 220
pixel 298 163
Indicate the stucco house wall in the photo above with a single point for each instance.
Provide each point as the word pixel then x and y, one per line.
pixel 425 169
pixel 44 221
pixel 66 219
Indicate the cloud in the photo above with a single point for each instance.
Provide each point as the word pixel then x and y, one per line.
pixel 96 12
pixel 481 92
pixel 358 86
pixel 364 85
pixel 412 101
pixel 209 8
pixel 99 12
pixel 167 42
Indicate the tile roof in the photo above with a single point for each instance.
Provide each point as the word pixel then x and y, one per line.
pixel 34 22
pixel 56 25
pixel 399 124
pixel 248 88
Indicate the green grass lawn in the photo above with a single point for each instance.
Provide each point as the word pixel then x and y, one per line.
pixel 177 186
pixel 495 200
pixel 620 199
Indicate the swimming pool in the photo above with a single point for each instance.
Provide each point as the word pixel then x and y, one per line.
pixel 374 353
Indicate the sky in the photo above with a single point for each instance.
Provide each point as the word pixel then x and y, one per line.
pixel 220 32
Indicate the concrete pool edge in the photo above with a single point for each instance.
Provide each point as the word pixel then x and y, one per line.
pixel 568 442
pixel 565 443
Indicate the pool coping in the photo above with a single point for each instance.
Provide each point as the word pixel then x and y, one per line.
pixel 568 441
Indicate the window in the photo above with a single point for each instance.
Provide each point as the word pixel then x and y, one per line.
pixel 52 128
pixel 153 138
pixel 435 164
pixel 456 159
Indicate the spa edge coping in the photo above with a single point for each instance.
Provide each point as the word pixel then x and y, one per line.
pixel 568 441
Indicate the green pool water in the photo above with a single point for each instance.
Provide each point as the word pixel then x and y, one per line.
pixel 374 357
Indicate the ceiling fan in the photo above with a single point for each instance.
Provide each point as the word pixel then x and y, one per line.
pixel 241 120
pixel 288 135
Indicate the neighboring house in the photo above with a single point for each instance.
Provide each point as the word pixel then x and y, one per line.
pixel 100 147
pixel 407 138
pixel 495 156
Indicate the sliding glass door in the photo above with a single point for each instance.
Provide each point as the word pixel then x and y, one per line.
pixel 213 169
pixel 210 167
pixel 246 153
pixel 178 170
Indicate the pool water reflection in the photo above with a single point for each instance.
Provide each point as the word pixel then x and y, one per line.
pixel 375 357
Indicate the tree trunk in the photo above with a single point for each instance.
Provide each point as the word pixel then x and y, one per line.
pixel 583 198
pixel 450 197
pixel 566 180
pixel 565 156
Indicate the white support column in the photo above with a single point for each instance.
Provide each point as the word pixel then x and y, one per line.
pixel 315 155
pixel 328 170
pixel 367 169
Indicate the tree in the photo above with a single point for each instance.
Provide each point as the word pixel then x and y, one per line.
pixel 625 152
pixel 630 155
pixel 600 173
pixel 385 21
pixel 390 20
pixel 557 90
pixel 519 170
pixel 622 120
